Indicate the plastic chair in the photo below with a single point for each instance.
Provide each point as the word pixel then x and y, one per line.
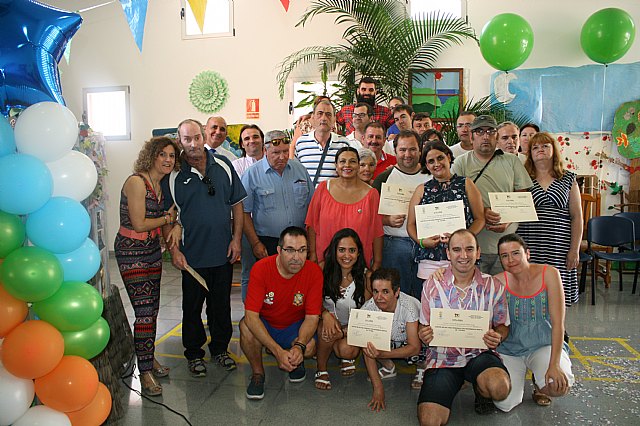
pixel 635 217
pixel 584 259
pixel 611 231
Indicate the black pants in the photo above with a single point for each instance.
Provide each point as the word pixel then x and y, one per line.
pixel 218 311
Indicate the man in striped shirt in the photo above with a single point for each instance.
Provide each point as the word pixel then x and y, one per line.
pixel 317 149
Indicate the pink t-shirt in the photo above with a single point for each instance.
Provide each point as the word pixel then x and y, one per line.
pixel 327 216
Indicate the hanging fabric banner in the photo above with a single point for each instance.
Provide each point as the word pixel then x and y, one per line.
pixel 285 4
pixel 198 7
pixel 136 14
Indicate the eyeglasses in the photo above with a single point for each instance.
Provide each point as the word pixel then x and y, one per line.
pixel 461 125
pixel 211 190
pixel 482 132
pixel 360 115
pixel 540 147
pixel 276 142
pixel 291 251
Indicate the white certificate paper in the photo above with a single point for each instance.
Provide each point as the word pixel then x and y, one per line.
pixel 439 218
pixel 370 326
pixel 459 328
pixel 513 206
pixel 394 199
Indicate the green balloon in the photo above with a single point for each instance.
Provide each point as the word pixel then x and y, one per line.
pixel 74 307
pixel 506 41
pixel 89 342
pixel 31 274
pixel 607 35
pixel 12 233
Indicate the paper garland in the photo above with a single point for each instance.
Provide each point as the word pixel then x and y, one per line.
pixel 208 92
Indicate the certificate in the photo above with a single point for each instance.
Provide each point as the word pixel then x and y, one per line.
pixel 370 326
pixel 197 277
pixel 513 206
pixel 459 328
pixel 394 199
pixel 440 218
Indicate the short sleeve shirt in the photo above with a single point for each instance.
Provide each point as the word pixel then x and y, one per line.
pixel 407 310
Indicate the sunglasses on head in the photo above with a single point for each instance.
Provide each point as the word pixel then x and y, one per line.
pixel 276 142
pixel 211 190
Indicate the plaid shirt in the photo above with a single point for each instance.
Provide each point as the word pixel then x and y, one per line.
pixel 484 294
pixel 381 114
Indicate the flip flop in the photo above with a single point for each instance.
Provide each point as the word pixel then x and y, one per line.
pixel 386 373
pixel 152 387
pixel 320 381
pixel 540 398
pixel 416 383
pixel 348 367
pixel 161 370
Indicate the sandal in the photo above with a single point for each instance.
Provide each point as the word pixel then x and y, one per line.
pixel 347 367
pixel 149 384
pixel 386 373
pixel 320 381
pixel 540 398
pixel 416 383
pixel 160 370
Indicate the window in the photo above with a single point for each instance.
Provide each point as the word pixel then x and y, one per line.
pixel 304 93
pixel 218 20
pixel 453 7
pixel 106 110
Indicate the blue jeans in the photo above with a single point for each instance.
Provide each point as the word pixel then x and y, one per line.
pixel 248 259
pixel 398 254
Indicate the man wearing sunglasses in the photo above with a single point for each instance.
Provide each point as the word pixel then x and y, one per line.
pixel 492 171
pixel 206 191
pixel 279 191
pixel 282 310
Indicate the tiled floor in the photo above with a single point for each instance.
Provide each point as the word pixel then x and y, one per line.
pixel 605 354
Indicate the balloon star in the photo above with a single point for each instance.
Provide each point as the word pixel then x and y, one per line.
pixel 33 37
pixel 622 140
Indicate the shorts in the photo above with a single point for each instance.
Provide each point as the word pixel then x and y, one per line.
pixel 441 385
pixel 283 336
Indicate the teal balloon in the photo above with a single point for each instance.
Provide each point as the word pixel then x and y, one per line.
pixel 506 41
pixel 74 307
pixel 12 233
pixel 89 342
pixel 607 35
pixel 82 263
pixel 7 140
pixel 31 274
pixel 61 225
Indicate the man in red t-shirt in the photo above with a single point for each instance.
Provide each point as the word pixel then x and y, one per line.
pixel 282 309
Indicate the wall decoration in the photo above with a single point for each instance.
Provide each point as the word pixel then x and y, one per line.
pixel 208 92
pixel 626 129
pixel 436 91
pixel 136 13
pixel 569 99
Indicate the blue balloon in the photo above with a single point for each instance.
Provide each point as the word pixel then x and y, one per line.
pixel 60 226
pixel 7 140
pixel 33 37
pixel 82 263
pixel 25 184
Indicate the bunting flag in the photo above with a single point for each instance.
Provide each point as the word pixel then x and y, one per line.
pixel 67 52
pixel 285 4
pixel 198 7
pixel 136 14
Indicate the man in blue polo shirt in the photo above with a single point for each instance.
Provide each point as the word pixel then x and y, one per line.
pixel 279 191
pixel 206 192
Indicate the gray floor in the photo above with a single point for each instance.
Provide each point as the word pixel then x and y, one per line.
pixel 605 353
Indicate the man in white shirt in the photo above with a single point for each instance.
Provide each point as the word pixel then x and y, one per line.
pixel 362 113
pixel 463 128
pixel 252 143
pixel 216 133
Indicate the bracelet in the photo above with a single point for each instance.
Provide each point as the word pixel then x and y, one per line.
pixel 301 346
pixel 420 243
pixel 255 244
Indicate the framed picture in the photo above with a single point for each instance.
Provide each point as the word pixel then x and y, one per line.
pixel 437 91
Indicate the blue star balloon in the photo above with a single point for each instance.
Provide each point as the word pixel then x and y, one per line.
pixel 33 37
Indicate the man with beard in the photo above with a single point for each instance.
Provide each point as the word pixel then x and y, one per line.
pixel 398 246
pixel 317 149
pixel 206 191
pixel 216 134
pixel 252 144
pixel 278 194
pixel 361 117
pixel 282 310
pixel 374 140
pixel 366 92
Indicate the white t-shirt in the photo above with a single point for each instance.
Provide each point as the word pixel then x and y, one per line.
pixel 407 310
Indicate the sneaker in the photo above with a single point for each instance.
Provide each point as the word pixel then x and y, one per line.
pixel 298 375
pixel 225 361
pixel 197 367
pixel 255 390
pixel 483 405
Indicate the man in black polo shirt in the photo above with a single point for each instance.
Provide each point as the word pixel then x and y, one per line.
pixel 206 192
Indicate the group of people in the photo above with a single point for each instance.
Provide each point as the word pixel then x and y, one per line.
pixel 303 218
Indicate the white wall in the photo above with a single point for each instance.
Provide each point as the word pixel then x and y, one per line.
pixel 104 54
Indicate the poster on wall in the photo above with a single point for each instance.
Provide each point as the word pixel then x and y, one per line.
pixel 253 109
pixel 436 91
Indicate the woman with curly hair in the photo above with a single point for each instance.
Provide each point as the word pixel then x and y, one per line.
pixel 345 287
pixel 138 252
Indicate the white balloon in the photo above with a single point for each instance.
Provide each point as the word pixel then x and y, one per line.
pixel 46 130
pixel 41 415
pixel 74 176
pixel 16 395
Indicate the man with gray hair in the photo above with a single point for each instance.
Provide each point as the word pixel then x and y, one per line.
pixel 215 135
pixel 279 191
pixel 509 139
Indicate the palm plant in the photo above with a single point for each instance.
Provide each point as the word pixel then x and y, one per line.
pixel 381 41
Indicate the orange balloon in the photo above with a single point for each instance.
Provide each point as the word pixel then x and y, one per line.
pixel 70 386
pixel 96 412
pixel 12 312
pixel 32 349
